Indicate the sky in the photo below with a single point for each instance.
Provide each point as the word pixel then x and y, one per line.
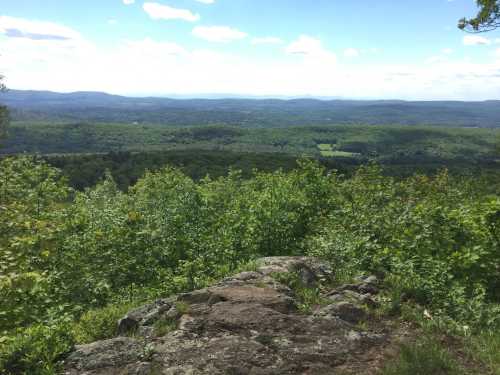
pixel 363 49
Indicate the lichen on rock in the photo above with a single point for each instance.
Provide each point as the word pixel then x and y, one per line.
pixel 248 323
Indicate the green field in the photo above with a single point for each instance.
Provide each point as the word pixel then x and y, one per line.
pixel 330 151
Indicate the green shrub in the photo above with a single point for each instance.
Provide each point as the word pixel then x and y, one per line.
pixel 35 350
pixel 100 324
pixel 163 326
pixel 434 239
pixel 425 357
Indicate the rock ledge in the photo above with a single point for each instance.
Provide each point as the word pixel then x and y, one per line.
pixel 246 324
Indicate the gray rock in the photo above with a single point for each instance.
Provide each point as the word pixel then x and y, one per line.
pixel 144 315
pixel 368 288
pixel 311 270
pixel 102 356
pixel 198 296
pixel 245 324
pixel 346 311
pixel 370 280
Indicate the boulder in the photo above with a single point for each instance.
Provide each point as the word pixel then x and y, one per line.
pixel 143 316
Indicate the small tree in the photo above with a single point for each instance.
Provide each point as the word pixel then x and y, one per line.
pixel 487 19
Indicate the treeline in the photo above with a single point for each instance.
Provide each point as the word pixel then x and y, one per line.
pixel 126 168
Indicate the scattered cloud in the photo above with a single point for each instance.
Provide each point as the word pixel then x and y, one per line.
pixel 164 12
pixel 112 22
pixel 312 50
pixel 447 51
pixel 305 45
pixel 206 1
pixel 351 52
pixel 45 55
pixel 474 40
pixel 267 40
pixel 36 30
pixel 218 34
pixel 128 2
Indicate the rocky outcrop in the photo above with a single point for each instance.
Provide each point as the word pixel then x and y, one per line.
pixel 247 324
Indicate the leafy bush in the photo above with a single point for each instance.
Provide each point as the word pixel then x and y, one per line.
pixel 35 350
pixel 99 324
pixel 86 255
pixel 435 239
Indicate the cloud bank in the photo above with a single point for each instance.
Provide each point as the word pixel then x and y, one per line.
pixel 44 55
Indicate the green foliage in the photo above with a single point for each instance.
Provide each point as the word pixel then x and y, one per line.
pixel 4 122
pixel 308 297
pixel 35 351
pixel 485 347
pixel 427 356
pixel 436 240
pixel 31 197
pixel 487 19
pixel 4 114
pixel 182 307
pixel 100 324
pixel 163 326
pixel 389 144
pixel 87 256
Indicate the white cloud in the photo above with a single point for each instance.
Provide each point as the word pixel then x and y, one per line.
pixel 112 21
pixel 305 45
pixel 447 51
pixel 473 40
pixel 128 2
pixel 267 40
pixel 164 12
pixel 156 67
pixel 312 51
pixel 36 30
pixel 206 1
pixel 351 52
pixel 218 34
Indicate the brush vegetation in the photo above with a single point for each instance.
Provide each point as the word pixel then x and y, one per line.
pixel 72 262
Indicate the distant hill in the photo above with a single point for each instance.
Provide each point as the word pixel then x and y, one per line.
pixel 102 107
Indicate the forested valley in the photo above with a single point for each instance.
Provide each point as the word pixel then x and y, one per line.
pixel 250 234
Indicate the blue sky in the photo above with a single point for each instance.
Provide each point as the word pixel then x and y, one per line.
pixel 355 49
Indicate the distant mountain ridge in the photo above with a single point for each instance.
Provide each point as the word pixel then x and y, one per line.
pixel 249 112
